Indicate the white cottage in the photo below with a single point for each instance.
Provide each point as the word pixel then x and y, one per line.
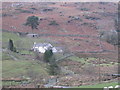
pixel 42 47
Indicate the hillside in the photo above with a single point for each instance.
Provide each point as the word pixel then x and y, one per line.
pixel 86 32
pixel 77 22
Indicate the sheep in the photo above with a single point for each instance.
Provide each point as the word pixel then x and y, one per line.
pixel 117 86
pixel 110 87
pixel 106 88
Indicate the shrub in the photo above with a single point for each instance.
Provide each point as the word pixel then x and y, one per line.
pixel 25 11
pixel 47 10
pixel 110 37
pixel 53 69
pixel 48 55
pixel 92 18
pixel 53 23
pixel 85 23
pixel 103 3
pixel 116 25
pixel 85 9
pixel 33 8
pixel 5 14
pixel 11 46
pixel 50 58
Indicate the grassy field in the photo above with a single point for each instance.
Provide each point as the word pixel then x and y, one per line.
pixel 10 83
pixel 24 65
pixel 75 58
pixel 27 68
pixel 22 44
pixel 19 42
pixel 82 60
pixel 102 85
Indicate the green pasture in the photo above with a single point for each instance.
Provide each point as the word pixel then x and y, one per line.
pixel 101 85
pixel 12 68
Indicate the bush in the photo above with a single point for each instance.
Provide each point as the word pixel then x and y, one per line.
pixel 14 49
pixel 5 14
pixel 48 55
pixel 25 11
pixel 85 9
pixel 53 23
pixel 103 3
pixel 11 46
pixel 50 58
pixel 53 69
pixel 92 18
pixel 110 37
pixel 47 10
pixel 33 8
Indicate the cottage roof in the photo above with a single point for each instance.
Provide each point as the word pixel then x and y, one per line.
pixel 43 45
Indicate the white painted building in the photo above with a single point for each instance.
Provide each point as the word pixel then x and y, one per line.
pixel 42 47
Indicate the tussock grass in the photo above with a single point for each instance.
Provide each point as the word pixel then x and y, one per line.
pixel 20 68
pixel 102 85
